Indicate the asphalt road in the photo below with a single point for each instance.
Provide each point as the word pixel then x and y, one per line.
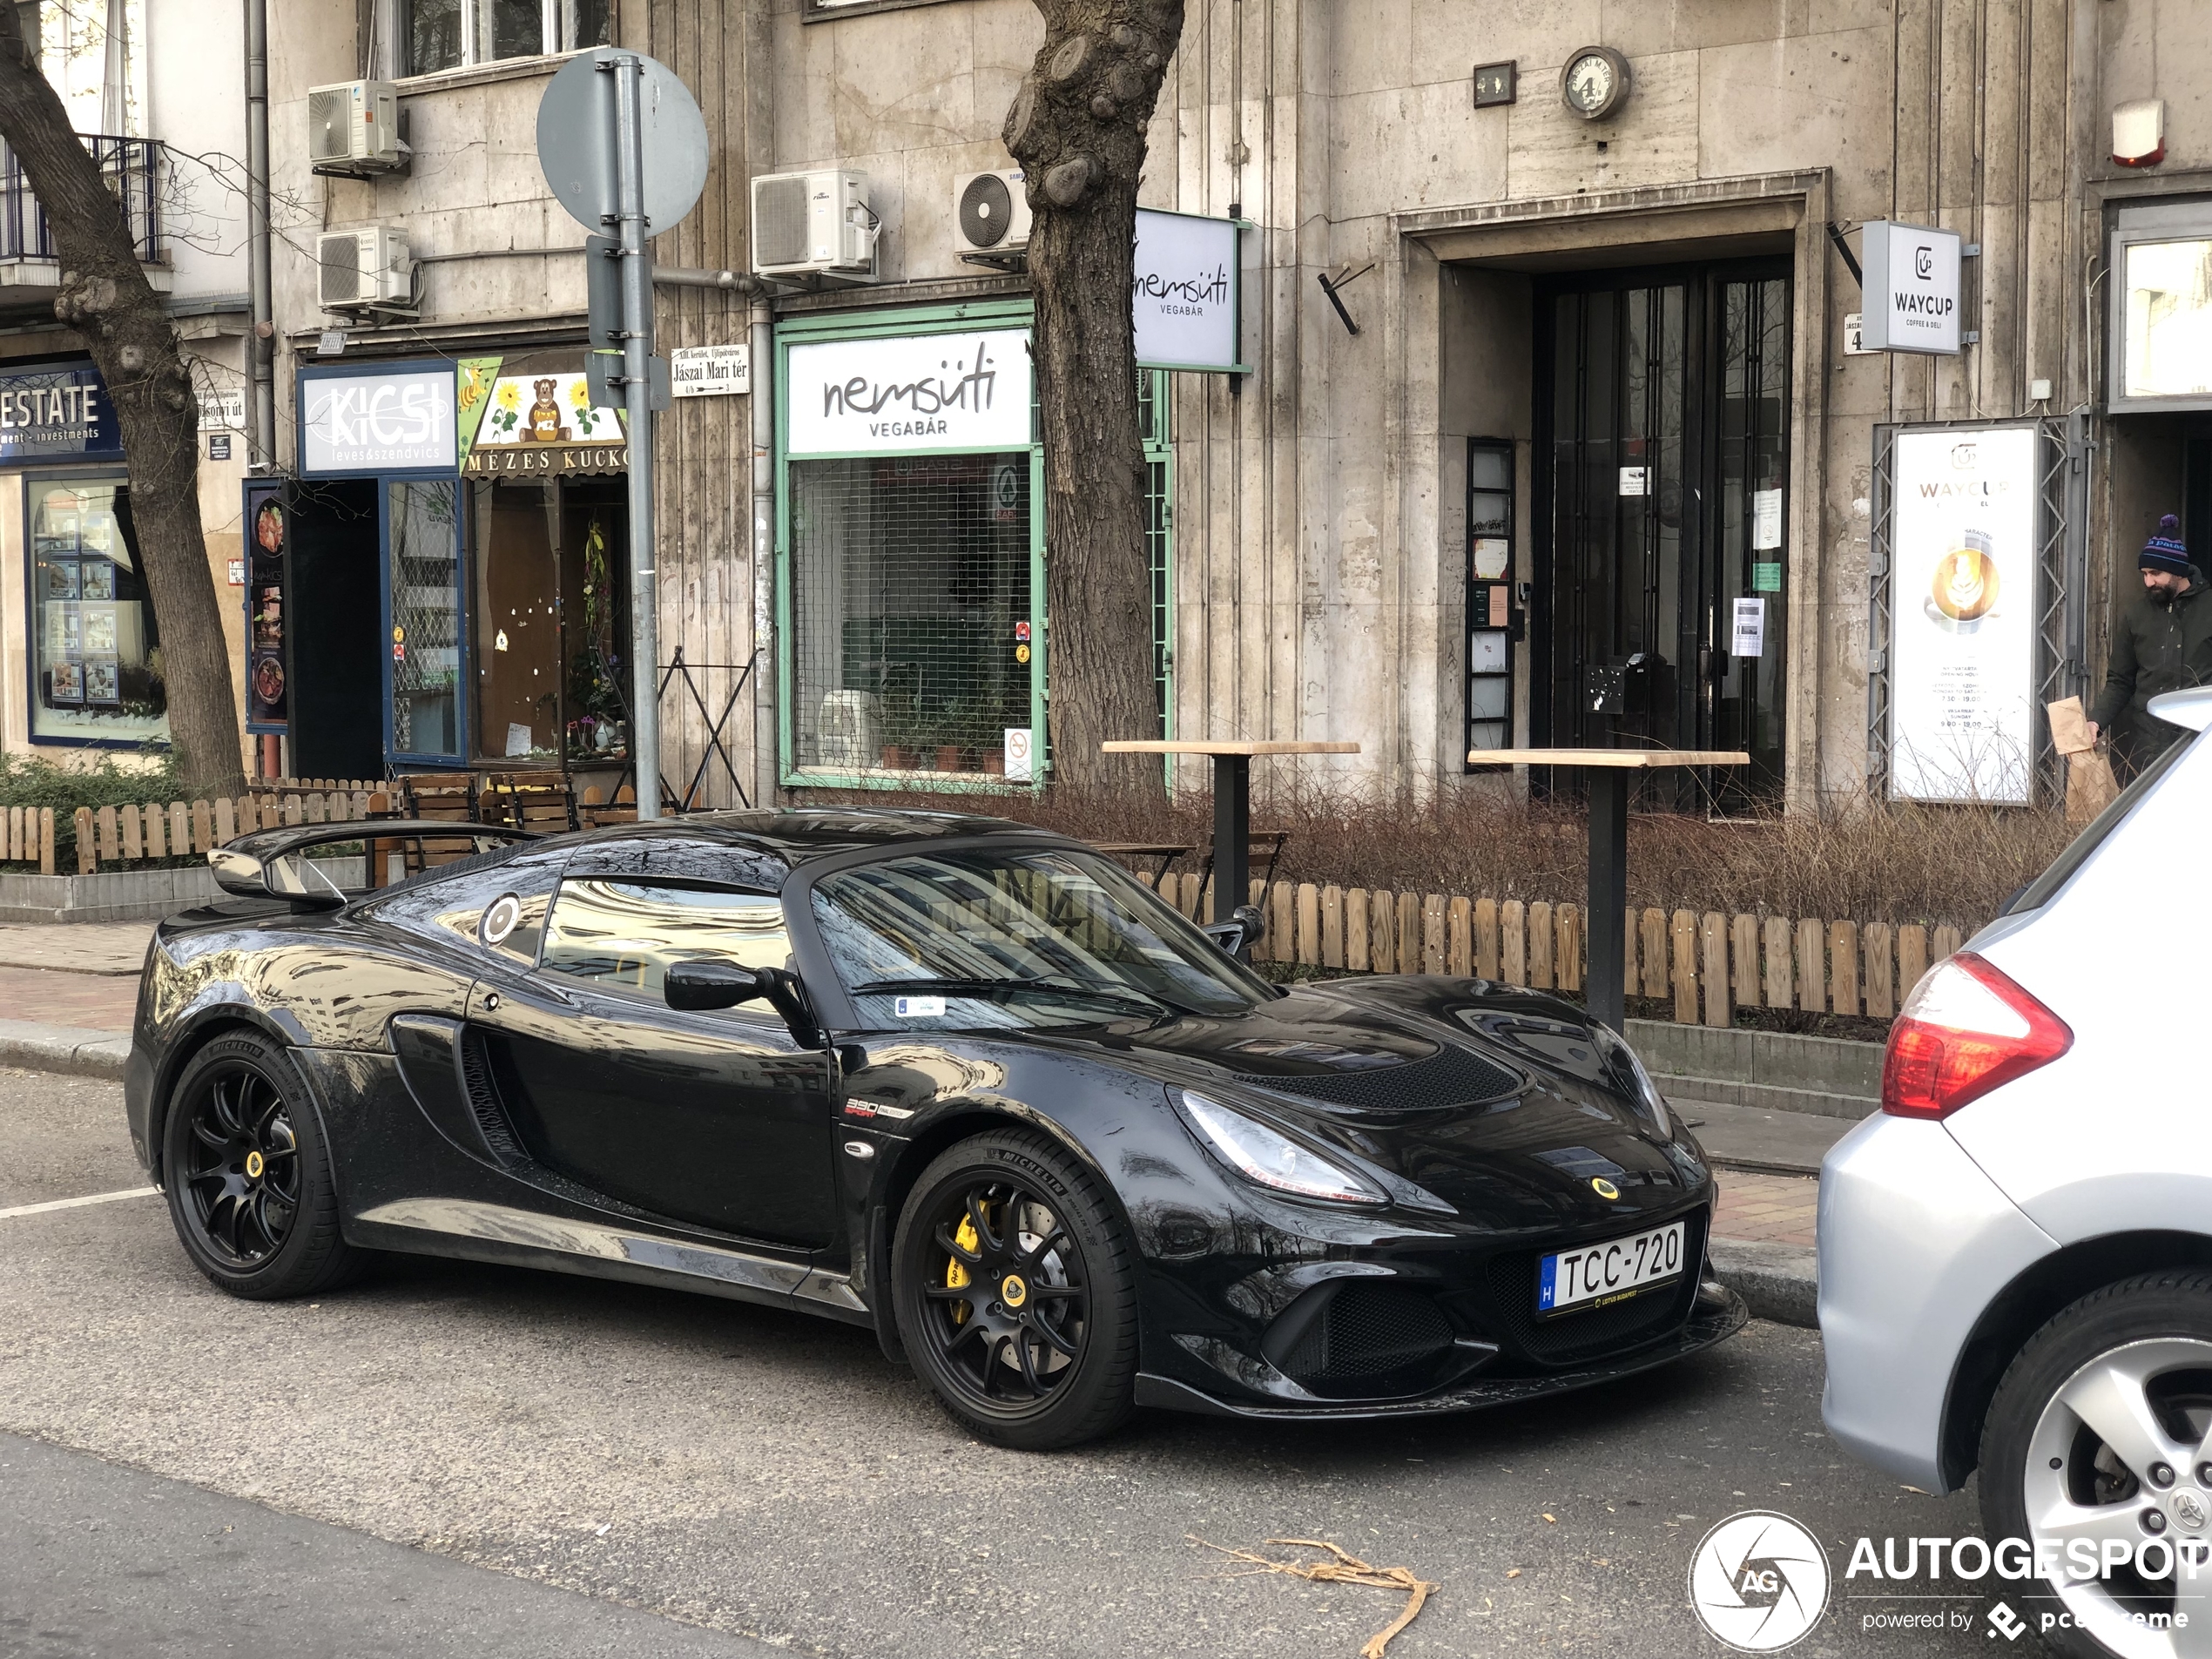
pixel 768 1476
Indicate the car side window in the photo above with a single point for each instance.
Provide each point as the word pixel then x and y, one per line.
pixel 621 934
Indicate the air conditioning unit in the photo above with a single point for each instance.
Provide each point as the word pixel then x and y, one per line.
pixel 364 270
pixel 354 128
pixel 990 215
pixel 816 222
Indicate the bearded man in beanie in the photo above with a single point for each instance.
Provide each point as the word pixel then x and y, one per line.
pixel 2161 641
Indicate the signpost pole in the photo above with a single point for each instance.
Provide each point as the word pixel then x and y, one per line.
pixel 638 398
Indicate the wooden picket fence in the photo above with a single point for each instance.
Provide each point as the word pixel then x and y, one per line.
pixel 1706 965
pixel 127 835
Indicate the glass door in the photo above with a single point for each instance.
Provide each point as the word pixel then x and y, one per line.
pixel 1662 452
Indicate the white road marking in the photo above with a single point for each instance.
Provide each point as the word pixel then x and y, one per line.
pixel 74 1203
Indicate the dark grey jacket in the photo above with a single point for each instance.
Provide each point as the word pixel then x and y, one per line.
pixel 2154 649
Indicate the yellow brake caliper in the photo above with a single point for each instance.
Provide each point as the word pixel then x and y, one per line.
pixel 955 1275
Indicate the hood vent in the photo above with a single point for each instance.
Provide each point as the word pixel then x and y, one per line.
pixel 1452 1077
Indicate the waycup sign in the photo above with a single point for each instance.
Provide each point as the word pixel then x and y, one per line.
pixel 1912 288
pixel 388 422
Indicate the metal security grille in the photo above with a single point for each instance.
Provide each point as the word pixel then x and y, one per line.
pixel 911 610
pixel 1153 404
pixel 426 619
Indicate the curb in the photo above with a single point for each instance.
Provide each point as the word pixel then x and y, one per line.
pixel 80 1051
pixel 1778 1282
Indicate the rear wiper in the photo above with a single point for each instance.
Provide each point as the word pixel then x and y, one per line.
pixel 998 990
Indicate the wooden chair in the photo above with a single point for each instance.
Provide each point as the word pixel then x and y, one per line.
pixel 539 802
pixel 595 812
pixel 439 797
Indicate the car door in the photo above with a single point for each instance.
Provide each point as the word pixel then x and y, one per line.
pixel 721 1119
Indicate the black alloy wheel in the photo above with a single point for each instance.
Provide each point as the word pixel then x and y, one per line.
pixel 248 1175
pixel 1016 1292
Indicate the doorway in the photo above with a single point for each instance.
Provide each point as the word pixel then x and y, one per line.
pixel 1661 493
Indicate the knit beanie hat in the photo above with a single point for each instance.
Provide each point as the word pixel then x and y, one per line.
pixel 2164 551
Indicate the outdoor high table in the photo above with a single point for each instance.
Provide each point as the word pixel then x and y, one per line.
pixel 1232 803
pixel 1608 771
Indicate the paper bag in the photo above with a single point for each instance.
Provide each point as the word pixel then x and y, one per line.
pixel 2069 726
pixel 2090 787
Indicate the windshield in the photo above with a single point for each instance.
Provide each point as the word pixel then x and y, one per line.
pixel 1018 938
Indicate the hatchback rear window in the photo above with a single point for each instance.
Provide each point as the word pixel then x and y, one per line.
pixel 2045 887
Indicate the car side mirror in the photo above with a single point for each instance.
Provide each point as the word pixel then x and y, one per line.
pixel 699 986
pixel 1245 927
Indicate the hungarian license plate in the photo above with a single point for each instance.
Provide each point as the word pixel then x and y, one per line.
pixel 1595 1275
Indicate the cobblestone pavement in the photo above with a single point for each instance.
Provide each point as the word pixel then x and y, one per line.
pixel 96 1001
pixel 1769 1209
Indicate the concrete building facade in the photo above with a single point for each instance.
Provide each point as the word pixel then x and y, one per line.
pixel 1545 403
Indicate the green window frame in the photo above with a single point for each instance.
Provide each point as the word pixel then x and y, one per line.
pixel 1154 413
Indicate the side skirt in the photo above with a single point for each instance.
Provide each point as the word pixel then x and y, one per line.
pixel 488 1232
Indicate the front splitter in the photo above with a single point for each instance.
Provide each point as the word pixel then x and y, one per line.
pixel 1708 1325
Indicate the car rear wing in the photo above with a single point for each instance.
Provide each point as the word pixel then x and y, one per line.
pixel 271 863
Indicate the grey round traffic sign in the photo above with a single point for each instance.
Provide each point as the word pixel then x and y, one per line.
pixel 576 140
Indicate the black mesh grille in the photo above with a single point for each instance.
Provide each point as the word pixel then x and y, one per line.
pixel 1453 1077
pixel 1570 1337
pixel 1367 1331
pixel 483 1100
pixel 986 210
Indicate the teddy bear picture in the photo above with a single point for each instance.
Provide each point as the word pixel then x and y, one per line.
pixel 544 424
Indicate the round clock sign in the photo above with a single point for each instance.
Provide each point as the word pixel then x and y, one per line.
pixel 1594 83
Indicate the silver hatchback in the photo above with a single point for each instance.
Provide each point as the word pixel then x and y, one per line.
pixel 2016 1252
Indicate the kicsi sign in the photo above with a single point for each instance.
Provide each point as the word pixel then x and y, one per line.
pixel 955 391
pixel 384 423
pixel 1912 288
pixel 1184 300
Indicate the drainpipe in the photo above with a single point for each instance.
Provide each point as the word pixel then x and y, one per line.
pixel 765 679
pixel 260 339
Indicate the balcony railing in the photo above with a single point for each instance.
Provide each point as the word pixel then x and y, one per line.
pixel 132 168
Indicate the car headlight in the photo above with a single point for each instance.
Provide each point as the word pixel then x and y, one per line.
pixel 1273 1160
pixel 1624 1058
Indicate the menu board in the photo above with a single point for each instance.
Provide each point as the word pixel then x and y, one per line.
pixel 268 528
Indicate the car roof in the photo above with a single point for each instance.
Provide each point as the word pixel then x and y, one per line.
pixel 791 837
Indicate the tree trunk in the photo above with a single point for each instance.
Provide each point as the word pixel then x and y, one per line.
pixel 1078 129
pixel 106 299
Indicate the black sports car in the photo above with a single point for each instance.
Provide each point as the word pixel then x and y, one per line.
pixel 958 1080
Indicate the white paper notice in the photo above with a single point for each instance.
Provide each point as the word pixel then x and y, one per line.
pixel 1632 480
pixel 1018 767
pixel 1748 637
pixel 518 741
pixel 1766 518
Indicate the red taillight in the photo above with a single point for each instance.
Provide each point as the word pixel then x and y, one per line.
pixel 1966 1029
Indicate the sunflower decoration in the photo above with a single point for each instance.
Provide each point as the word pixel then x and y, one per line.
pixel 587 418
pixel 505 416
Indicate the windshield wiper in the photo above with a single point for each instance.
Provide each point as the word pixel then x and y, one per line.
pixel 998 990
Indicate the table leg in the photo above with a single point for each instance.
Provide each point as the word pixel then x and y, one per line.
pixel 1609 895
pixel 1233 833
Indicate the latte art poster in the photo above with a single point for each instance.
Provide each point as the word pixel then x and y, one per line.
pixel 1962 616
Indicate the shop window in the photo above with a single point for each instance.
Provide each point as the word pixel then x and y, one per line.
pixel 426 620
pixel 450 34
pixel 912 611
pixel 551 620
pixel 2167 308
pixel 97 649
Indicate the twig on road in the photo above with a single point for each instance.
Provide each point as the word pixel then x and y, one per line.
pixel 1345 1569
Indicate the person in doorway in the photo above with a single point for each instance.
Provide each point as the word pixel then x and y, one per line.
pixel 2161 641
